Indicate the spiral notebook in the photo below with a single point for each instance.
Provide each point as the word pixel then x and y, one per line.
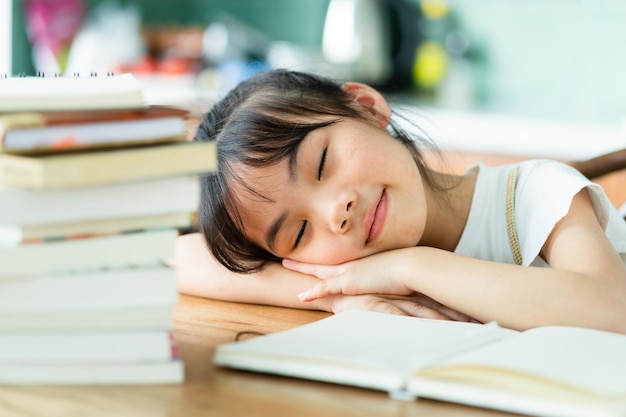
pixel 70 93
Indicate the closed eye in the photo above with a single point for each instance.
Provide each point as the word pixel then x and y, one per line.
pixel 300 234
pixel 320 169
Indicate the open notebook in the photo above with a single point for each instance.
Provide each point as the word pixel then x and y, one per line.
pixel 547 371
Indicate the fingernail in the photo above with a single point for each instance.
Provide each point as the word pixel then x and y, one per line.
pixel 303 296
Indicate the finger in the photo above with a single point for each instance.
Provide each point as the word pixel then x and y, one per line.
pixel 448 312
pixel 388 308
pixel 443 309
pixel 457 316
pixel 304 268
pixel 313 293
pixel 321 289
pixel 420 310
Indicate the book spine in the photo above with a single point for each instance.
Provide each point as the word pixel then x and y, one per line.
pixel 165 372
pixel 130 319
pixel 146 198
pixel 128 288
pixel 89 254
pixel 17 235
pixel 86 347
pixel 20 172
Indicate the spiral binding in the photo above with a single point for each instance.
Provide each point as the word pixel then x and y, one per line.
pixel 41 74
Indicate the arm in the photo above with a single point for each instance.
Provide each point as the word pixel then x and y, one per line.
pixel 584 286
pixel 199 274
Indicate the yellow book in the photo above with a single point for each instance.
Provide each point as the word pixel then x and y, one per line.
pixel 83 169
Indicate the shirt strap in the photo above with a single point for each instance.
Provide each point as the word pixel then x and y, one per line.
pixel 511 183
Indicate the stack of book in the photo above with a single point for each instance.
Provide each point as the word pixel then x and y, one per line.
pixel 94 186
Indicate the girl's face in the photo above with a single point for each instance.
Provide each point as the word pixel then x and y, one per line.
pixel 353 190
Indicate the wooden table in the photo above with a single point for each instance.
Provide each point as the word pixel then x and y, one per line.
pixel 199 326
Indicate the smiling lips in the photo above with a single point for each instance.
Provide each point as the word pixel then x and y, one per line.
pixel 377 218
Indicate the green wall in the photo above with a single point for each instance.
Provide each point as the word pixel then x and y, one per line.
pixel 297 21
pixel 20 48
pixel 544 58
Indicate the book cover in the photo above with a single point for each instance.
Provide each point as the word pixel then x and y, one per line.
pixel 101 167
pixel 87 347
pixel 21 207
pixel 70 93
pixel 87 254
pixel 94 320
pixel 150 372
pixel 550 371
pixel 101 290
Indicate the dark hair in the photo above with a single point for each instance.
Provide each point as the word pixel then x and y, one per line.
pixel 259 123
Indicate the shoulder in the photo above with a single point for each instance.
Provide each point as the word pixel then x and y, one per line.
pixel 544 194
pixel 551 183
pixel 549 172
pixel 549 186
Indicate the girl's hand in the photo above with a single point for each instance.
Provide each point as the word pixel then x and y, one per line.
pixel 356 285
pixel 417 305
pixel 375 274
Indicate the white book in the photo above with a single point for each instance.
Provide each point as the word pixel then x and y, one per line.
pixel 131 318
pixel 104 132
pixel 88 254
pixel 548 371
pixel 30 132
pixel 141 198
pixel 113 347
pixel 12 235
pixel 116 288
pixel 160 372
pixel 70 93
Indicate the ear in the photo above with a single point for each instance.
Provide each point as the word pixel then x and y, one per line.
pixel 371 100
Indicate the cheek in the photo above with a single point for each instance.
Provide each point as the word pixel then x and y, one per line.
pixel 331 252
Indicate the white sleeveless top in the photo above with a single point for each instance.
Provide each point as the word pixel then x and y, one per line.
pixel 543 195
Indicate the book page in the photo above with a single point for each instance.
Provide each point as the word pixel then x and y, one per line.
pixel 583 359
pixel 354 347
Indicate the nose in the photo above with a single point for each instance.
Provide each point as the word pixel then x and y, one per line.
pixel 342 212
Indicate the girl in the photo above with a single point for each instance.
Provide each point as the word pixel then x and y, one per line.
pixel 320 193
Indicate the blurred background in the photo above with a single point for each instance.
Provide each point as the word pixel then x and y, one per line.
pixel 545 59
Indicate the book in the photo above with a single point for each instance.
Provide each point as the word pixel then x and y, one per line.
pixel 54 131
pixel 86 347
pixel 20 207
pixel 101 167
pixel 113 319
pixel 13 235
pixel 87 254
pixel 547 371
pixel 70 93
pixel 100 290
pixel 148 372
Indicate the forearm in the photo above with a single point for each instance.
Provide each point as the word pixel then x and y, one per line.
pixel 515 296
pixel 199 274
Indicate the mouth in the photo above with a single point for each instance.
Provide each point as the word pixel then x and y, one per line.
pixel 376 220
